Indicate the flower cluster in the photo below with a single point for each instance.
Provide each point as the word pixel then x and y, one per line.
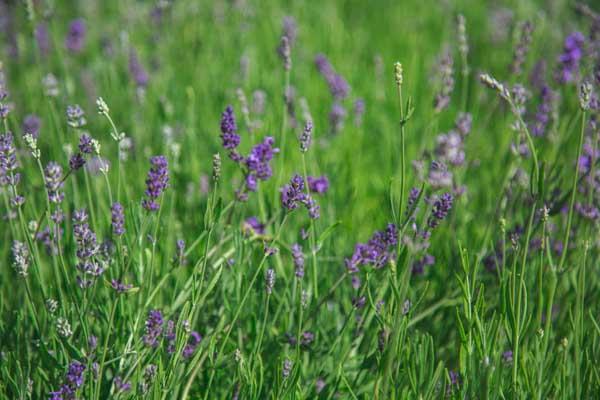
pixel 8 161
pixel 87 249
pixel 76 36
pixel 318 185
pixel 376 252
pixel 156 182
pixel 53 175
pixel 298 257
pixel 74 379
pixel 229 135
pixel 339 88
pixel 293 194
pixel 117 219
pixel 446 76
pixel 137 71
pixel 21 258
pixel 570 58
pixel 157 328
pixel 258 162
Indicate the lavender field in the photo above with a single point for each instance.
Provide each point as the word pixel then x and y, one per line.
pixel 243 199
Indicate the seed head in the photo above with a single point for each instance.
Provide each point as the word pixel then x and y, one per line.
pixel 585 95
pixel 102 106
pixel 216 167
pixel 398 73
pixel 63 327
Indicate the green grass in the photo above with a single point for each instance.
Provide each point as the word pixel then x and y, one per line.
pixel 443 333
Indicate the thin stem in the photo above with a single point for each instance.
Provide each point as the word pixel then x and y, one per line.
pixel 563 256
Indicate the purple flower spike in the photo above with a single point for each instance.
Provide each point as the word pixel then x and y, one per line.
pixel 293 193
pixel 117 219
pixel 53 174
pixel 85 144
pixel 229 135
pixel 154 325
pixel 440 210
pixel 258 162
pixel 318 185
pixel 570 58
pixel 137 71
pixel 298 257
pixel 8 161
pixel 31 125
pixel 192 344
pixel 76 36
pixel 157 182
pixel 252 224
pixel 42 37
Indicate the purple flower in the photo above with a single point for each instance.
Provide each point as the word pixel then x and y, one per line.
pixel 86 145
pixel 92 342
pixel 450 148
pixel 293 194
pixel 120 287
pixel 231 139
pixel 75 116
pixel 87 247
pixel 298 257
pixel 75 36
pixel 377 251
pixel 544 111
pixel 463 123
pixel 258 162
pixel 446 76
pixel 418 267
pixel 290 29
pixel 42 38
pixel 318 185
pixel 53 174
pixel 31 125
pixel 117 219
pixel 507 356
pixel 440 210
pixel 193 342
pixel 570 58
pixel 137 71
pixel 439 176
pixel 254 225
pixel 359 302
pixel 522 48
pixel 156 182
pixel 121 386
pixel 8 161
pixel 74 377
pixel 314 211
pixel 154 325
pixel 76 161
pixel 338 86
pixel 337 116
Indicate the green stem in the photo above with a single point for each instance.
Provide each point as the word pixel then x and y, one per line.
pixel 573 193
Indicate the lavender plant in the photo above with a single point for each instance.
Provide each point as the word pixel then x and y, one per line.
pixel 243 221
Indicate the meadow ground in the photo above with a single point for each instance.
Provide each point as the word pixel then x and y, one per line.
pixel 335 199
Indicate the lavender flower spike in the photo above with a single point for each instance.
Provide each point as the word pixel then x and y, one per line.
pixel 117 219
pixel 76 36
pixel 157 182
pixel 53 177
